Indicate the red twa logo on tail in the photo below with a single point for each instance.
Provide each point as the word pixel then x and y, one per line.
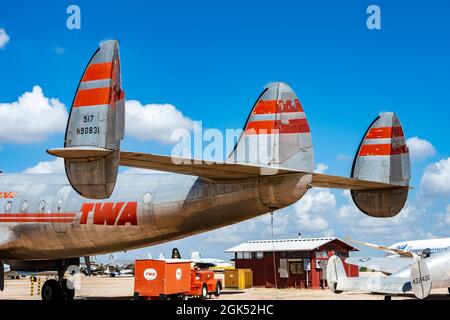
pixel 110 213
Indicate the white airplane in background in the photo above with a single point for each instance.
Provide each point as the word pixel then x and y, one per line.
pixel 419 246
pixel 416 266
pixel 395 261
pixel 196 258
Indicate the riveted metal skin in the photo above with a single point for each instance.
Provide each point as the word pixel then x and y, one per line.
pixel 276 133
pixel 180 206
pixel 97 119
pixel 382 157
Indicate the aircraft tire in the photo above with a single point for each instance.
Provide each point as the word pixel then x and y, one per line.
pixel 52 291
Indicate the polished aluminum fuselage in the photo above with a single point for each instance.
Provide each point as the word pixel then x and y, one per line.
pixel 169 206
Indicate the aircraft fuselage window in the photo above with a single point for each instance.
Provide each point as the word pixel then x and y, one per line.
pixel 8 207
pixel 24 206
pixel 41 206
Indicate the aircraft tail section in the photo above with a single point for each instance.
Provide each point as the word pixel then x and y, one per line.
pixel 334 273
pixel 382 157
pixel 276 133
pixel 96 126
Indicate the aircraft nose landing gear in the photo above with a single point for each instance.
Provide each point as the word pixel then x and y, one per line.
pixel 58 290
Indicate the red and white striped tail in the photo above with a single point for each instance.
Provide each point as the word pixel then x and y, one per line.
pixel 383 157
pixel 96 125
pixel 276 133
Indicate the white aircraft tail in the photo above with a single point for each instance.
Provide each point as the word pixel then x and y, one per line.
pixel 335 272
pixel 195 255
pixel 420 279
pixel 96 126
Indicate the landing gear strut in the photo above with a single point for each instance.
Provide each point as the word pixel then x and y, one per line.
pixel 60 289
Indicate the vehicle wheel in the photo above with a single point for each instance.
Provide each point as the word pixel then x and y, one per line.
pixel 204 293
pixel 218 289
pixel 33 278
pixel 69 294
pixel 448 290
pixel 17 277
pixel 51 291
pixel 387 298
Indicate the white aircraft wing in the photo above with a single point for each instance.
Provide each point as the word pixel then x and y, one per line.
pixel 375 284
pixel 388 265
pixel 237 171
pixel 399 252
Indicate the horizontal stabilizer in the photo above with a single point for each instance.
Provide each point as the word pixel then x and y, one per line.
pixel 338 282
pixel 388 265
pixel 375 284
pixel 80 152
pixel 327 181
pixel 237 171
pixel 195 167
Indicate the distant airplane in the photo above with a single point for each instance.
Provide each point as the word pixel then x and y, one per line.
pixel 50 220
pixel 398 250
pixel 196 258
pixel 414 270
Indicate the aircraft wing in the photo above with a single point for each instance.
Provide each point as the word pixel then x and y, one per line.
pixel 387 265
pixel 399 252
pixel 376 284
pixel 237 171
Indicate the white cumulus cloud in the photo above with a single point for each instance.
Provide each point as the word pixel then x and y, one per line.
pixel 154 121
pixel 435 180
pixel 32 118
pixel 420 149
pixel 313 211
pixel 53 166
pixel 447 215
pixel 4 38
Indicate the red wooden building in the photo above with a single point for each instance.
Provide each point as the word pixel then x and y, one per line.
pixel 300 263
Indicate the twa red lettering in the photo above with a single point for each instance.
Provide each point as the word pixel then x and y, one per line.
pixel 7 195
pixel 106 213
pixel 110 213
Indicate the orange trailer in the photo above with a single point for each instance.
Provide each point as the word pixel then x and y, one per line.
pixel 161 279
pixel 173 278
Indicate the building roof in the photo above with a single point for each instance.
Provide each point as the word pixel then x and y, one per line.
pixel 298 244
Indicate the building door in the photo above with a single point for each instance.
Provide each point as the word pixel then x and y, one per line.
pixel 60 206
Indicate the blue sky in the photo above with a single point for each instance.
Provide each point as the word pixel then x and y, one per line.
pixel 211 59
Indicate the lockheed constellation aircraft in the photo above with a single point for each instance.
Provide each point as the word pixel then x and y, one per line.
pixel 420 266
pixel 49 221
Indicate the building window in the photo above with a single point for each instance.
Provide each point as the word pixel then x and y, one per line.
pixel 296 268
pixel 239 255
pixel 246 255
pixel 259 255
